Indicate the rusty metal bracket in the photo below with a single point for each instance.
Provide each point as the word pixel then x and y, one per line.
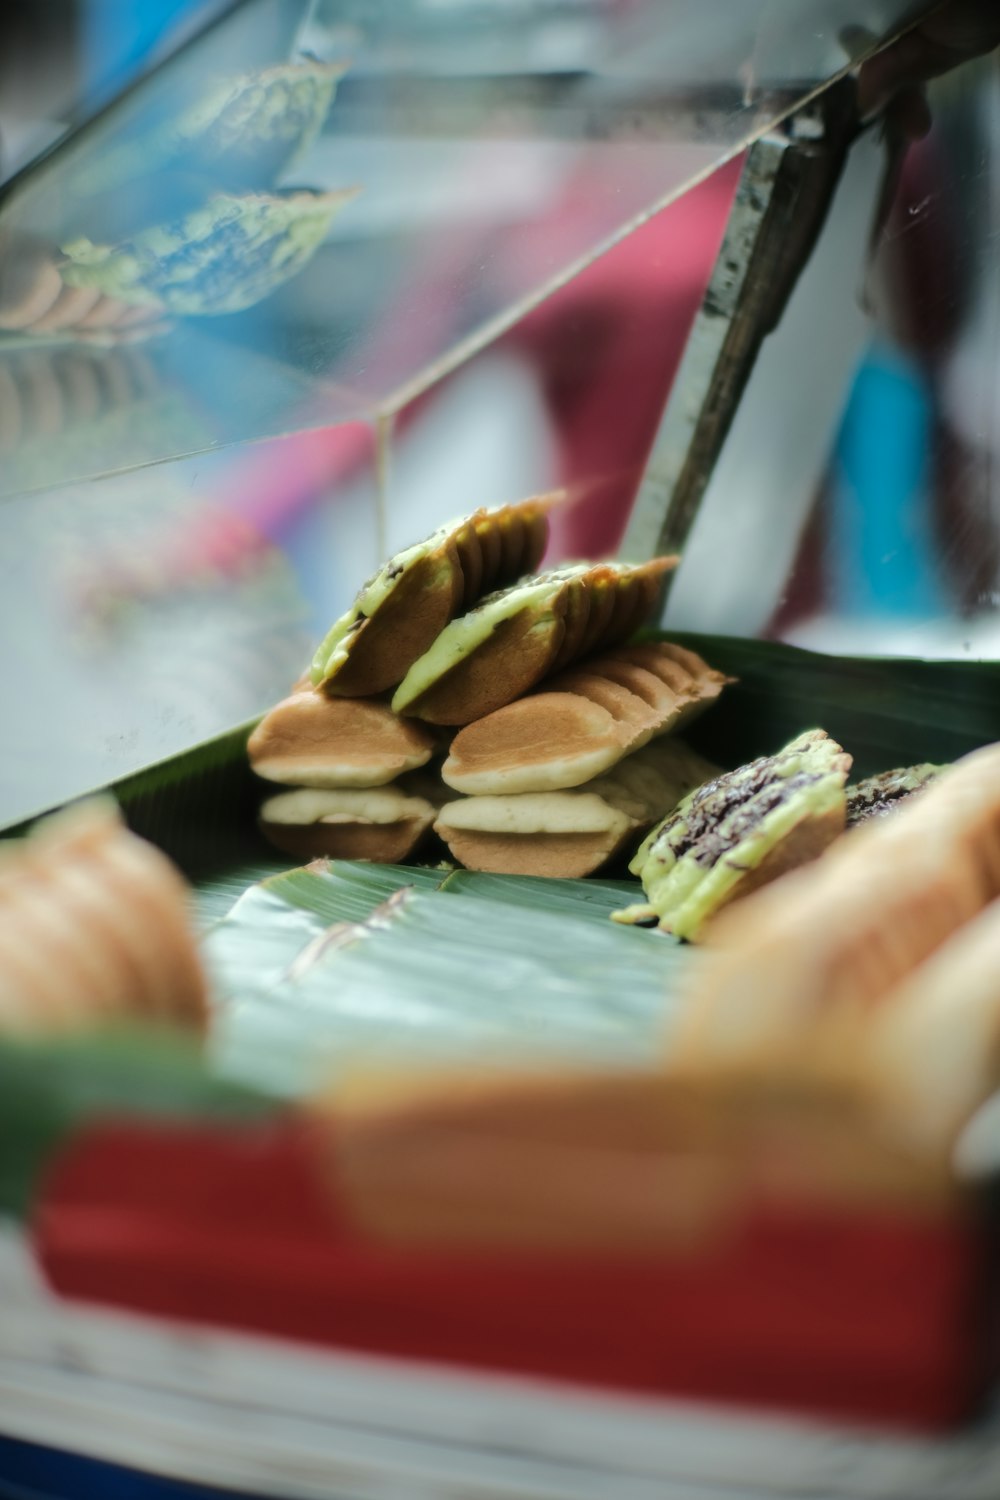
pixel 784 194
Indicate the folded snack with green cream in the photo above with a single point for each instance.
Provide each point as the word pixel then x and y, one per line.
pixel 740 831
pixel 399 613
pixel 583 722
pixel 870 965
pixel 516 637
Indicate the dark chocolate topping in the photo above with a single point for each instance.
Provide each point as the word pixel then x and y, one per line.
pixel 880 795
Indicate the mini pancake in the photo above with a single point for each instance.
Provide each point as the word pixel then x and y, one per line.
pixel 400 612
pixel 383 824
pixel 313 740
pixel 571 833
pixel 580 723
pixel 741 831
pixel 512 640
pixel 94 930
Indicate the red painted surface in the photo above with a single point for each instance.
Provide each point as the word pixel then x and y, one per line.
pixel 868 1319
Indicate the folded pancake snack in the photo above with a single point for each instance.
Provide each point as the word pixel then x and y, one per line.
pixel 562 782
pixel 509 642
pixel 740 831
pixel 383 823
pixel 313 740
pixel 350 770
pixel 94 930
pixel 870 975
pixel 582 722
pixel 572 833
pixel 400 612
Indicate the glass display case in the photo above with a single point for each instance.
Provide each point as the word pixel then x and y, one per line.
pixel 330 275
pixel 324 277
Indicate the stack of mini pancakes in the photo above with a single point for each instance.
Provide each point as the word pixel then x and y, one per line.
pixel 559 757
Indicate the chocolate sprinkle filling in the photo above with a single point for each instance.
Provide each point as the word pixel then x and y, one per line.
pixel 880 795
pixel 725 810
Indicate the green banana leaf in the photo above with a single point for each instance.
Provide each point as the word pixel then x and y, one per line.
pixel 886 711
pixel 323 971
pixel 319 971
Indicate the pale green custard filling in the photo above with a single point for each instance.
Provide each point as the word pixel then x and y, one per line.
pixel 334 649
pixel 683 891
pixel 459 639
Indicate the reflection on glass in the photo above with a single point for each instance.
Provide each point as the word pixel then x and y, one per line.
pixel 141 618
pixel 343 200
pixel 856 506
pixel 340 221
pixel 904 539
pixel 71 406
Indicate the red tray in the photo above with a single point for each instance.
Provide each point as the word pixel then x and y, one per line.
pixel 868 1318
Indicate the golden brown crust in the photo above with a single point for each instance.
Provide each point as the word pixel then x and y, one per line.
pixel 540 743
pixel 312 739
pixel 471 558
pixel 140 876
pixel 567 856
pixel 94 929
pixel 576 614
pixel 382 843
pixel 406 625
pixel 582 722
pixel 538 640
pixel 514 658
pixel 487 550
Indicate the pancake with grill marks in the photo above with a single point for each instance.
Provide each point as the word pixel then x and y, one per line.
pixel 400 612
pixel 582 722
pixel 512 640
pixel 572 833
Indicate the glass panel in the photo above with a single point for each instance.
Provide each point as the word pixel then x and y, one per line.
pixel 857 503
pixel 315 210
pixel 141 614
pixel 237 562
